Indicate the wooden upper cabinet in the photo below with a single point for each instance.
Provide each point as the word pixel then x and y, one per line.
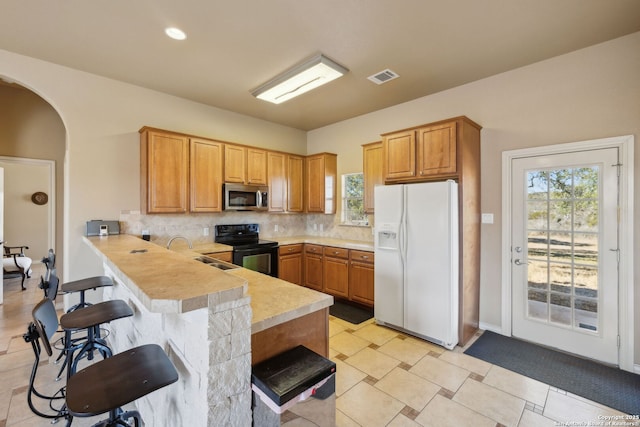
pixel 164 169
pixel 205 175
pixel 295 183
pixel 234 163
pixel 277 181
pixel 256 166
pixel 286 182
pixel 321 175
pixel 437 150
pixel 373 174
pixel 424 153
pixel 399 154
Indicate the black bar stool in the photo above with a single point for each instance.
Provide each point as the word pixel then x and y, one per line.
pixel 89 318
pixel 102 387
pixel 112 383
pixel 84 285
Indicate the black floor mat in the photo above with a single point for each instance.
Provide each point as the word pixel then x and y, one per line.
pixel 350 313
pixel 603 384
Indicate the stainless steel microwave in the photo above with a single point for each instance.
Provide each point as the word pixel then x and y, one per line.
pixel 239 197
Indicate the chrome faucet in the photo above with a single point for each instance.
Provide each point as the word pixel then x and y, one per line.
pixel 179 237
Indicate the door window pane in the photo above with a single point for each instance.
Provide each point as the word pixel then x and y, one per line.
pixel 562 246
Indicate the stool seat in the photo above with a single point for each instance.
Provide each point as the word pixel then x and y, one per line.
pixel 119 380
pixel 89 318
pixel 86 284
pixel 96 314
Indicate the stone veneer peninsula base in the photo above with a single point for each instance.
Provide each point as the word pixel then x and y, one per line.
pixel 213 325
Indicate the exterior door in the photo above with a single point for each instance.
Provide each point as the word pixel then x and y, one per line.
pixel 564 252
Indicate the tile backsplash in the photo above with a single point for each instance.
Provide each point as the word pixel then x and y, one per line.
pixel 199 228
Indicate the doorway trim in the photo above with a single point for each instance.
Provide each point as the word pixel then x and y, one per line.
pixel 626 287
pixel 51 211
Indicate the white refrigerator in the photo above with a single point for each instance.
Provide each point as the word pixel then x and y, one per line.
pixel 416 260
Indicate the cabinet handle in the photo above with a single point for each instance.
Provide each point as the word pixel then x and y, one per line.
pixel 336 252
pixel 290 249
pixel 365 257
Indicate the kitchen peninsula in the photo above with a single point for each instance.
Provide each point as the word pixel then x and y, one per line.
pixel 213 325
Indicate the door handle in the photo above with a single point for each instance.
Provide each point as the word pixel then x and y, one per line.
pixel 519 262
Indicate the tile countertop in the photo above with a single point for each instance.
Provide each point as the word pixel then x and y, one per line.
pixel 153 276
pixel 162 280
pixel 325 241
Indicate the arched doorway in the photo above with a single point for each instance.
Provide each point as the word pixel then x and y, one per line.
pixel 32 132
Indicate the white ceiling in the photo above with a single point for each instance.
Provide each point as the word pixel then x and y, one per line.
pixel 235 46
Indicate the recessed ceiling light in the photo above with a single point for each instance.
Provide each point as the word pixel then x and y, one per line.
pixel 175 33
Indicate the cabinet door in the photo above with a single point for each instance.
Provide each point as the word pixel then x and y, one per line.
pixel 399 154
pixel 321 183
pixel 437 150
pixel 313 271
pixel 164 169
pixel 372 171
pixel 206 176
pixel 277 181
pixel 256 166
pixel 361 282
pixel 315 184
pixel 336 276
pixel 234 163
pixel 295 183
pixel 290 264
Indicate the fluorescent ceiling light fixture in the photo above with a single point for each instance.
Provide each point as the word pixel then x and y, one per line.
pixel 302 78
pixel 175 33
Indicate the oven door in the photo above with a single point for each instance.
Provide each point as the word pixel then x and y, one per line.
pixel 262 260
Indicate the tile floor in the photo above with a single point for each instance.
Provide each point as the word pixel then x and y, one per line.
pixel 384 378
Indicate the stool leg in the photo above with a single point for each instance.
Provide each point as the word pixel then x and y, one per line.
pixel 93 343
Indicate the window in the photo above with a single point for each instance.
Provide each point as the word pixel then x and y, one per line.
pixel 353 199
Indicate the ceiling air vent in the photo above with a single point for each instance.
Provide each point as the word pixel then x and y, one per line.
pixel 383 76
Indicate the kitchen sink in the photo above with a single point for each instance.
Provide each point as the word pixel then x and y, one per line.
pixel 222 265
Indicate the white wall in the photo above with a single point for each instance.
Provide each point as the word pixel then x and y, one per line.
pixel 102 118
pixel 587 94
pixel 25 222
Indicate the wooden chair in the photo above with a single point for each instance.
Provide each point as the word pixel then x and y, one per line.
pixel 16 264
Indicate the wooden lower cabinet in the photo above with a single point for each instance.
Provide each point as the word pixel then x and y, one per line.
pixel 361 277
pixel 290 263
pixel 222 256
pixel 336 271
pixel 313 267
pixel 340 272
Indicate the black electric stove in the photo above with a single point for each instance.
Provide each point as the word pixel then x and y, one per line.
pixel 249 250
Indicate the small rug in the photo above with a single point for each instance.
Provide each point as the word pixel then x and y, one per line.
pixel 350 313
pixel 609 386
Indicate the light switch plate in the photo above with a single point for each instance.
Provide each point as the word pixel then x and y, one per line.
pixel 487 218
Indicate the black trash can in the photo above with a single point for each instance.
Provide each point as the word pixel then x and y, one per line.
pixel 298 383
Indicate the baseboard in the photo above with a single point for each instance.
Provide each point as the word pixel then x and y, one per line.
pixel 490 327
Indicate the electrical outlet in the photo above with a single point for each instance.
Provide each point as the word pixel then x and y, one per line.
pixel 205 231
pixel 275 227
pixel 321 227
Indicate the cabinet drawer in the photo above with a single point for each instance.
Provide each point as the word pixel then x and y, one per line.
pixel 314 249
pixel 290 249
pixel 336 252
pixel 362 256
